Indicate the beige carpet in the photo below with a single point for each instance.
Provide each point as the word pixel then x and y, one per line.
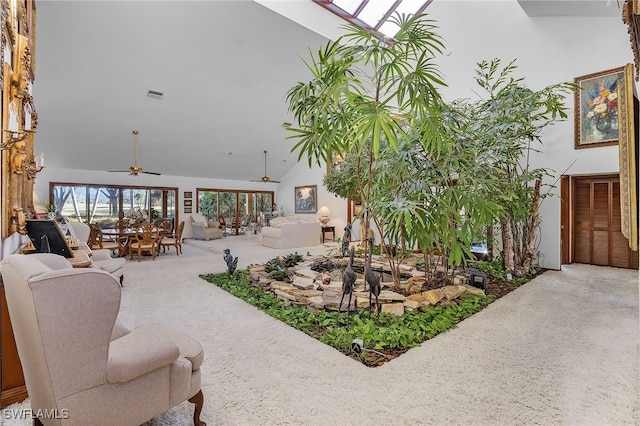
pixel 563 349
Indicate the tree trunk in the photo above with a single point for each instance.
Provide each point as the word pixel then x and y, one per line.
pixel 507 245
pixel 534 221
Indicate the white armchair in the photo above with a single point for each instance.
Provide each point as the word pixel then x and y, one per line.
pixel 204 229
pixel 100 258
pixel 79 359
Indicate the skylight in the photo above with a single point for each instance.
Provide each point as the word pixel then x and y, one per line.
pixel 374 14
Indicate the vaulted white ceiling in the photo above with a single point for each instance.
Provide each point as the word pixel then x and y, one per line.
pixel 224 68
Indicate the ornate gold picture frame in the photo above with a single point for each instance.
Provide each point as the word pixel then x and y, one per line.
pixel 596 108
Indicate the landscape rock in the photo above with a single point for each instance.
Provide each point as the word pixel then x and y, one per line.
pixel 393 308
pixel 316 302
pixel 414 284
pixel 284 295
pixel 331 300
pixel 474 290
pixel 453 291
pixel 413 304
pixel 303 283
pixel 433 296
pixel 282 286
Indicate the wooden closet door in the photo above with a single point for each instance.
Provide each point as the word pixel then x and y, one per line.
pixel 597 234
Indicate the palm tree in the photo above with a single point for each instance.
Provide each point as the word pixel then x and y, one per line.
pixel 363 91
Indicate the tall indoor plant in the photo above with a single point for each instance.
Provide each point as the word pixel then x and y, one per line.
pixel 363 91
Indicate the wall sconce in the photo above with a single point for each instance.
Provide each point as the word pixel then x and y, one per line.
pixel 34 166
pixel 14 138
pixel 324 213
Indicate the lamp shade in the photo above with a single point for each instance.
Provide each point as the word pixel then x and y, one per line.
pixel 324 211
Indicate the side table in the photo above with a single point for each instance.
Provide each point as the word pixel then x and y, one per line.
pixel 326 229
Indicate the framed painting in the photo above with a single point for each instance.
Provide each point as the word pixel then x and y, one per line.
pixel 188 194
pixel 596 108
pixel 306 199
pixel 188 203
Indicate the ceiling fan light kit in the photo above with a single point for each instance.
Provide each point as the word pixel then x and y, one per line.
pixel 135 170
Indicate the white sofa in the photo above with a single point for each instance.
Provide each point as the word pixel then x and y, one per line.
pixel 291 232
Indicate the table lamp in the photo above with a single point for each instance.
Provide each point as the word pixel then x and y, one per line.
pixel 324 215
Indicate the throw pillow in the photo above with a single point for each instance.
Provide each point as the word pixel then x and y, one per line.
pixel 200 219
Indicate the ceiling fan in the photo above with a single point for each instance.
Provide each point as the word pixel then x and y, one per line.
pixel 135 169
pixel 265 178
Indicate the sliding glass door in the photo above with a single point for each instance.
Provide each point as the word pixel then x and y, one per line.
pixel 240 209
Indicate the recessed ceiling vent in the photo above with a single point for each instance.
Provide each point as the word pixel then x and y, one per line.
pixel 155 94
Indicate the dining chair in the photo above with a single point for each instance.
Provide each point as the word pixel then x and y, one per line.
pixel 97 240
pixel 223 225
pixel 164 226
pixel 175 240
pixel 146 239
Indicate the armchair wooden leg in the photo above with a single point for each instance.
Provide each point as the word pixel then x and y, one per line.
pixel 121 280
pixel 198 400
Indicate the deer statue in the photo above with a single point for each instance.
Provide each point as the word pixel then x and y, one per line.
pixel 348 279
pixel 371 277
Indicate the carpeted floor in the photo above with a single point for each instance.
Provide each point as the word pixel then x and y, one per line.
pixel 561 350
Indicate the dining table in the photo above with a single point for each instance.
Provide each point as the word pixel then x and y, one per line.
pixel 124 235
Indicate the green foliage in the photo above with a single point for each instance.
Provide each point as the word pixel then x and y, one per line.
pixel 493 267
pixel 506 127
pixel 344 177
pixel 336 330
pixel 362 93
pixel 277 267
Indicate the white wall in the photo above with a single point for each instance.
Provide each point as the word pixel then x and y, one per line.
pixel 302 175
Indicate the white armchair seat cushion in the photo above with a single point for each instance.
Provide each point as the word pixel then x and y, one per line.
pixel 139 352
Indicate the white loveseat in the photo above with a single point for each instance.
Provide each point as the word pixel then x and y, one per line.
pixel 291 232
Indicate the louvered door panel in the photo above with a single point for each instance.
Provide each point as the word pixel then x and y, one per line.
pixel 597 235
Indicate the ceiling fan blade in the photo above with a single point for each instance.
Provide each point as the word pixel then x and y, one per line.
pixel 119 171
pixel 150 173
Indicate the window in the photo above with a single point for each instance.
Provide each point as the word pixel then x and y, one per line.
pixel 105 204
pixel 374 15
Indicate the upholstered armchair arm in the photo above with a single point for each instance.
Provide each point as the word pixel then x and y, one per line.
pixel 119 330
pixel 101 254
pixel 139 353
pixel 53 261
